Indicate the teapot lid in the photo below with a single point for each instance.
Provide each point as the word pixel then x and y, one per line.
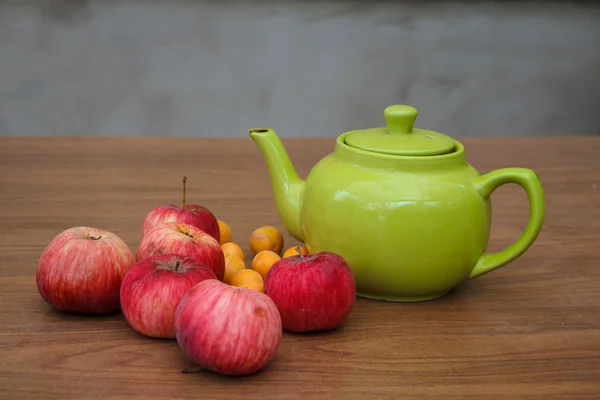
pixel 399 137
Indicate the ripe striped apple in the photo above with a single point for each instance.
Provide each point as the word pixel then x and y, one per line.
pixel 81 270
pixel 313 292
pixel 184 240
pixel 226 329
pixel 152 289
pixel 192 214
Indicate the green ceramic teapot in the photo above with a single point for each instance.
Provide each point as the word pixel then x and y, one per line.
pixel 402 206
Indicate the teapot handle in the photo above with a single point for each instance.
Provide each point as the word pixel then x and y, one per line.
pixel 486 184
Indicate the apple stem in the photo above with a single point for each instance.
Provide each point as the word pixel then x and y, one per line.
pixel 191 369
pixel 300 252
pixel 183 203
pixel 177 265
pixel 95 238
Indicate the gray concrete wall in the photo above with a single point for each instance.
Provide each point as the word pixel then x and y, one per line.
pixel 204 68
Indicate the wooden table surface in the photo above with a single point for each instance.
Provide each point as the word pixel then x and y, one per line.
pixel 528 330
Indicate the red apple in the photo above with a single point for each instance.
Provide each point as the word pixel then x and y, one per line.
pixel 152 289
pixel 81 270
pixel 185 240
pixel 192 214
pixel 312 292
pixel 227 329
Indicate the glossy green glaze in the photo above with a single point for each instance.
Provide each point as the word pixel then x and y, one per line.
pixel 400 137
pixel 410 227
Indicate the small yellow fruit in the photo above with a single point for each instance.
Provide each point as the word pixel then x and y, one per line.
pixel 233 248
pixel 245 275
pixel 266 238
pixel 263 261
pixel 253 285
pixel 233 264
pixel 291 251
pixel 225 232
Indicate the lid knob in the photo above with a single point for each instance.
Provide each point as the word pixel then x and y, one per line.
pixel 400 118
pixel 400 137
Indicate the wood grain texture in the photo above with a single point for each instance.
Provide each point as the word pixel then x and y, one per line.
pixel 528 330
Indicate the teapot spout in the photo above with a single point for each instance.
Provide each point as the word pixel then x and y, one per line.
pixel 287 186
